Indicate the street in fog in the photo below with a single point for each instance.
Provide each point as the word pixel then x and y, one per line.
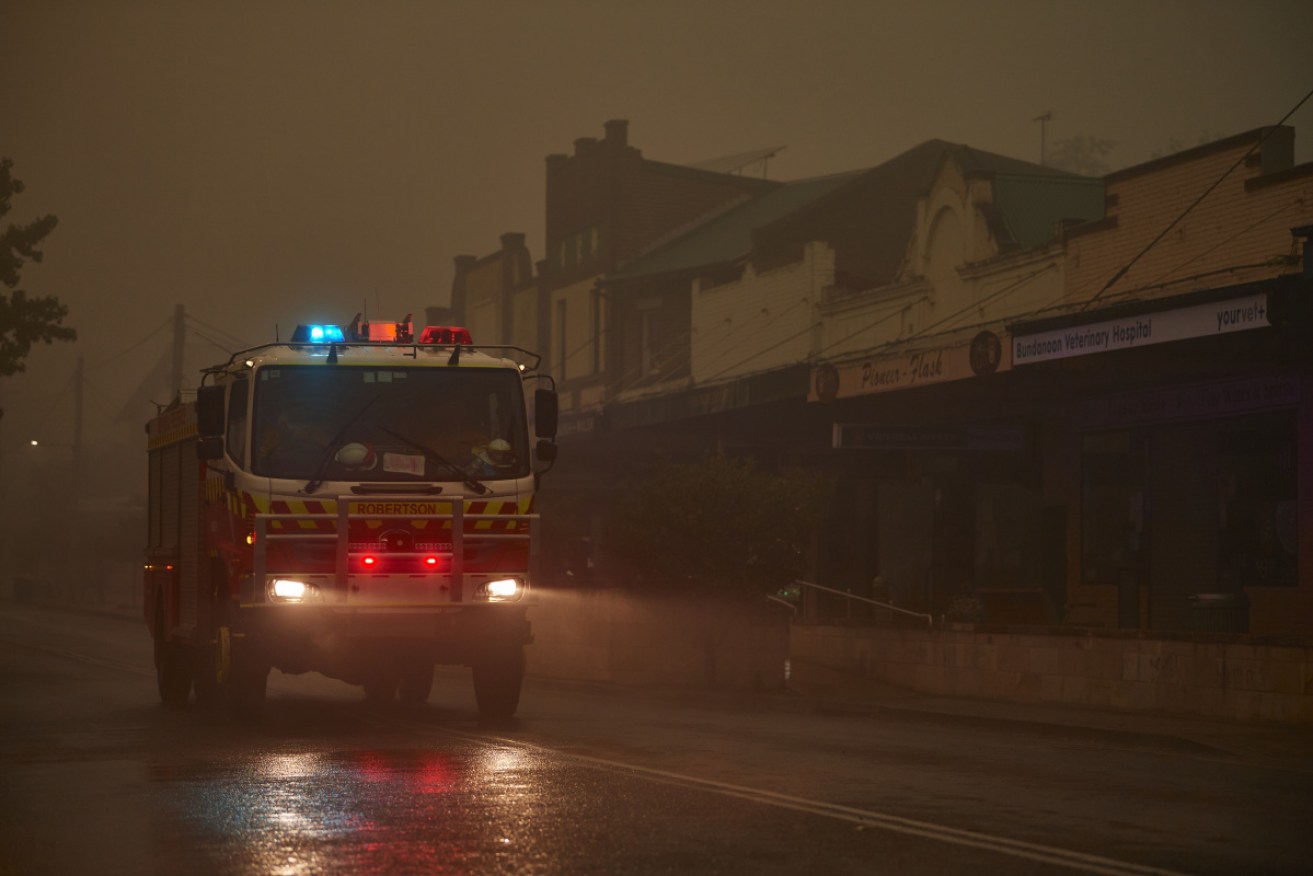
pixel 99 778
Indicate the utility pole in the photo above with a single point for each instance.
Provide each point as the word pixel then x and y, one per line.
pixel 1043 118
pixel 179 335
pixel 77 584
pixel 77 429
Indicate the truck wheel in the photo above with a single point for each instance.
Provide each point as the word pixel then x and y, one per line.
pixel 497 682
pixel 172 672
pixel 416 684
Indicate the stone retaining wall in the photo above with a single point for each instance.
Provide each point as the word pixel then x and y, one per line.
pixel 1246 678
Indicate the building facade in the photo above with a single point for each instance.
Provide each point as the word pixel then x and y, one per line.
pixel 1040 396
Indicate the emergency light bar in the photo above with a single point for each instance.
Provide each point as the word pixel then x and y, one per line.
pixel 385 332
pixel 381 332
pixel 318 334
pixel 446 335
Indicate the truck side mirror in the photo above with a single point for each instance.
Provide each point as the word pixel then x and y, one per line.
pixel 546 451
pixel 544 413
pixel 209 411
pixel 210 447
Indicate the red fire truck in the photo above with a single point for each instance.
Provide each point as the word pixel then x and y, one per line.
pixel 356 502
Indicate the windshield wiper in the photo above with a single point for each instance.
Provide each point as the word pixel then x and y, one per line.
pixel 477 486
pixel 317 478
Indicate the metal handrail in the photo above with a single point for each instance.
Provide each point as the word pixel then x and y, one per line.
pixel 929 619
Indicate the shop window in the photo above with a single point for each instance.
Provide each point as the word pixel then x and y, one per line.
pixel 1112 507
pixel 1257 502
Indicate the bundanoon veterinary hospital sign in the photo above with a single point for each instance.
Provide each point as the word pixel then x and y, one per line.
pixel 1195 321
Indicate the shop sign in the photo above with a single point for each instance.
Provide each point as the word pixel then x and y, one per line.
pixel 984 354
pixel 1196 321
pixel 578 424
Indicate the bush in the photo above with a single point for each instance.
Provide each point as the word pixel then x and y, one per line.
pixel 717 526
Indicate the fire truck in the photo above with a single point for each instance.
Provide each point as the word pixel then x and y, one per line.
pixel 355 501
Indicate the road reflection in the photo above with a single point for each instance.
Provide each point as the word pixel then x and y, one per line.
pixel 363 811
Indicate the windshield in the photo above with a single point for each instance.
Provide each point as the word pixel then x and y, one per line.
pixel 388 423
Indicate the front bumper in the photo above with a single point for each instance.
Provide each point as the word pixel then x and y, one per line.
pixel 347 642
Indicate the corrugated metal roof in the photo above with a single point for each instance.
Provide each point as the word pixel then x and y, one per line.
pixel 734 163
pixel 728 237
pixel 1031 205
pixel 1032 199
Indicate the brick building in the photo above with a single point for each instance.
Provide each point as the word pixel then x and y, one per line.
pixel 1173 385
pixel 893 330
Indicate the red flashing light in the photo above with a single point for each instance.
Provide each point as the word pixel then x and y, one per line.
pixel 431 562
pixel 368 561
pixel 446 335
pixel 380 332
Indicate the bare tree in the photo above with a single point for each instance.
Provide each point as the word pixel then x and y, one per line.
pixel 1176 144
pixel 1085 154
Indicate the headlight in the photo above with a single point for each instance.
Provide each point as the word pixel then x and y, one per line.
pixel 292 590
pixel 502 590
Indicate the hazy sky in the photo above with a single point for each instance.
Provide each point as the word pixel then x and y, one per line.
pixel 270 163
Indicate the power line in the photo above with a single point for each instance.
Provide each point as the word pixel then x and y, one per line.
pixel 804 330
pixel 163 325
pixel 901 308
pixel 751 333
pixel 1006 290
pixel 1194 258
pixel 240 343
pixel 924 333
pixel 205 337
pixel 636 374
pixel 1241 160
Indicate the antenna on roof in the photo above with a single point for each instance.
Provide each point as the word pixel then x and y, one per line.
pixel 739 163
pixel 1043 118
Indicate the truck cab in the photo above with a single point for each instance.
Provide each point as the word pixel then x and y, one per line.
pixel 355 502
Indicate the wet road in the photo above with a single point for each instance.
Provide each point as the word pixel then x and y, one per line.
pixel 96 777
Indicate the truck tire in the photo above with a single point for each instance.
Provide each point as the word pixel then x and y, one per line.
pixel 172 672
pixel 416 684
pixel 497 681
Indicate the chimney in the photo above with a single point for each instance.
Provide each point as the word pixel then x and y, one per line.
pixel 1278 151
pixel 617 134
pixel 463 265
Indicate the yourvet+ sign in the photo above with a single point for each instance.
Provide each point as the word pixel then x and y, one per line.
pixel 1197 321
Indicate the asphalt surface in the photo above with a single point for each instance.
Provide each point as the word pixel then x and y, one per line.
pixel 834 774
pixel 824 691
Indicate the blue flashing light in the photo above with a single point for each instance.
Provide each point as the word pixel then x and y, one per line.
pixel 318 334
